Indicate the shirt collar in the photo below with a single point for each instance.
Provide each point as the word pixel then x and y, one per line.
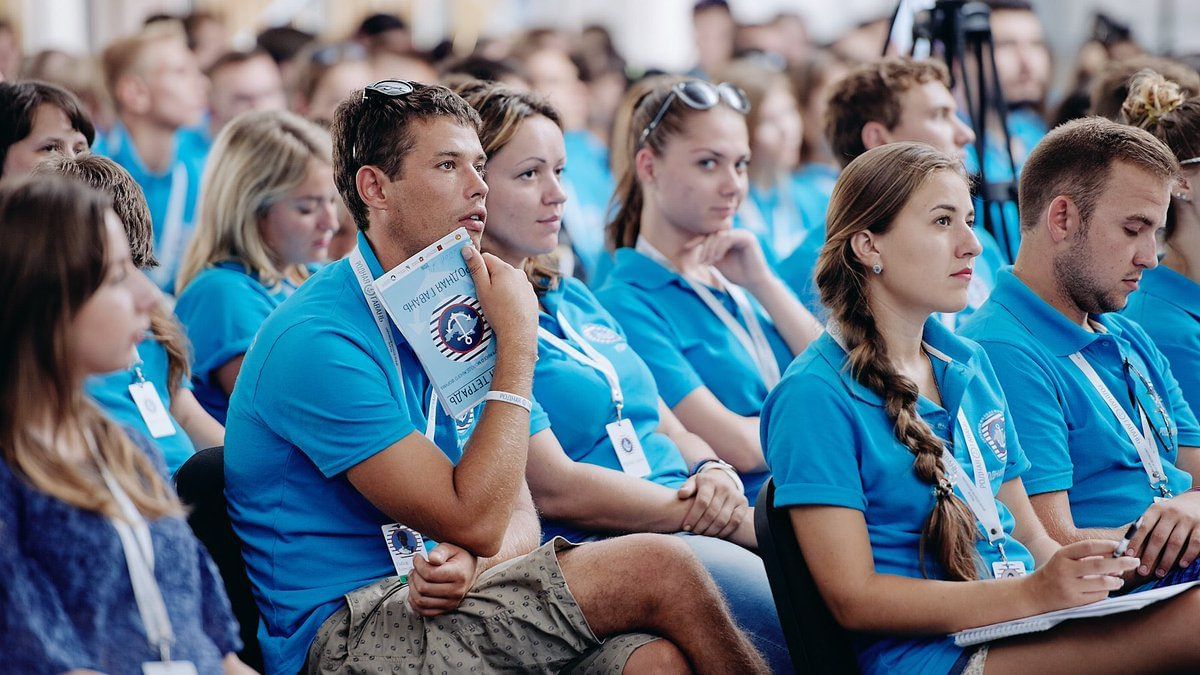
pixel 938 340
pixel 1173 287
pixel 368 254
pixel 1038 317
pixel 639 270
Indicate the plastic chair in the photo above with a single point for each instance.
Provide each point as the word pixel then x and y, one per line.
pixel 816 642
pixel 200 483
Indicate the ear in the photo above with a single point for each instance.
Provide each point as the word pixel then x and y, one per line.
pixel 1062 218
pixel 874 134
pixel 132 94
pixel 644 163
pixel 371 183
pixel 864 243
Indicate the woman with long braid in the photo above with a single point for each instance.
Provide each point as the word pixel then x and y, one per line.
pixel 874 436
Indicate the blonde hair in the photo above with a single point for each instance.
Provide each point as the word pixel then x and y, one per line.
pixel 124 56
pixel 256 159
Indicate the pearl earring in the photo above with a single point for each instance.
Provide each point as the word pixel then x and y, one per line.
pixel 877 268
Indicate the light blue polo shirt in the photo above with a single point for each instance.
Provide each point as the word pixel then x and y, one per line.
pixel 111 393
pixel 1167 307
pixel 317 395
pixel 157 188
pixel 222 310
pixel 829 442
pixel 775 216
pixel 578 399
pixel 798 271
pixel 589 187
pixel 1072 438
pixel 812 184
pixel 1026 130
pixel 685 345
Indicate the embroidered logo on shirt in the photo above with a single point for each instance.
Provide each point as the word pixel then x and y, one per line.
pixel 459 329
pixel 992 431
pixel 604 335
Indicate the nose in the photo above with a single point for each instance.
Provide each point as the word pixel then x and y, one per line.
pixel 969 247
pixel 146 295
pixel 1146 255
pixel 476 187
pixel 734 182
pixel 963 134
pixel 556 194
pixel 328 219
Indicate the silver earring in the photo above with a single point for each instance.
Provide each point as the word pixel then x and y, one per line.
pixel 877 268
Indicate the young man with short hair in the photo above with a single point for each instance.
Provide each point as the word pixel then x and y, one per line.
pixel 892 100
pixel 333 435
pixel 158 90
pixel 1103 421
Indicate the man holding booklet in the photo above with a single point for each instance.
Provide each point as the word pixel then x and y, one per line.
pixel 364 472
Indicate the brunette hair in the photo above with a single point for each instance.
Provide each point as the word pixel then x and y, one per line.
pixel 19 103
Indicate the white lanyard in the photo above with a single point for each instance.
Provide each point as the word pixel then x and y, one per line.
pixel 172 235
pixel 589 357
pixel 1141 439
pixel 977 492
pixel 755 341
pixel 367 284
pixel 134 534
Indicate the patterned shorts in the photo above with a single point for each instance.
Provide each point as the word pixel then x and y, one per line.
pixel 519 617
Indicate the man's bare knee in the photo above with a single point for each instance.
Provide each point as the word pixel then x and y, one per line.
pixel 659 656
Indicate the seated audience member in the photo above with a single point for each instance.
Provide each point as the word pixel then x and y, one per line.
pixel 771 209
pixel 268 211
pixel 876 432
pixel 1167 305
pixel 287 47
pixel 76 306
pixel 327 76
pixel 240 82
pixel 590 383
pixel 333 397
pixel 1101 416
pixel 134 397
pixel 1111 87
pixel 812 78
pixel 886 101
pixel 697 299
pixel 158 90
pixel 78 75
pixel 38 120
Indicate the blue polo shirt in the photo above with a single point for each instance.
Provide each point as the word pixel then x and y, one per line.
pixel 578 399
pixel 1026 129
pixel 317 395
pixel 1167 307
pixel 813 185
pixel 685 345
pixel 775 216
pixel 799 269
pixel 111 393
pixel 589 187
pixel 189 159
pixel 829 442
pixel 1073 440
pixel 222 310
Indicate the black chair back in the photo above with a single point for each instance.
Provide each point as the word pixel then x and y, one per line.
pixel 200 483
pixel 817 643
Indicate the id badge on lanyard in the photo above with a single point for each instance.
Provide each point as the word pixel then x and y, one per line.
pixel 151 407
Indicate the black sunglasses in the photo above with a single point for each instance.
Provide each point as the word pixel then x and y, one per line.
pixel 698 95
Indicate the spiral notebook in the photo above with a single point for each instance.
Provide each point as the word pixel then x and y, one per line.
pixel 1041 622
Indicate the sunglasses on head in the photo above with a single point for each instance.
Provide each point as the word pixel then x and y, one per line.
pixel 388 89
pixel 698 95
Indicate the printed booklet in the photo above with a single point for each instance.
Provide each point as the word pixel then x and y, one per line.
pixel 431 298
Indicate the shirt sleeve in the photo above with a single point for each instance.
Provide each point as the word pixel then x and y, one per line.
pixel 32 617
pixel 655 342
pixel 810 444
pixel 1016 463
pixel 339 412
pixel 222 314
pixel 539 420
pixel 1035 412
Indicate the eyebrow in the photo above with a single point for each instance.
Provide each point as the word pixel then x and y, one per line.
pixel 1139 218
pixel 454 154
pixel 944 207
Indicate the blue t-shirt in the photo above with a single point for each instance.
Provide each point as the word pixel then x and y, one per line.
pixel 684 343
pixel 1167 307
pixel 829 442
pixel 589 187
pixel 222 310
pixel 66 600
pixel 111 393
pixel 813 186
pixel 317 395
pixel 578 399
pixel 1073 439
pixel 182 180
pixel 775 216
